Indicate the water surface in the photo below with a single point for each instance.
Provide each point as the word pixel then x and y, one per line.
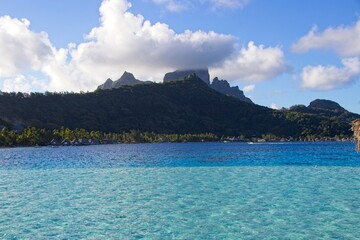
pixel 181 191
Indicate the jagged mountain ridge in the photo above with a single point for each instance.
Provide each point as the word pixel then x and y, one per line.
pixel 127 79
pixel 203 74
pixel 222 86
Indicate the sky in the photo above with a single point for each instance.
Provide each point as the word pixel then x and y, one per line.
pixel 279 52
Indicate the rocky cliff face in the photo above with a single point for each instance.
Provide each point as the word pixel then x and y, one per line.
pixel 127 79
pixel 221 86
pixel 203 74
pixel 107 85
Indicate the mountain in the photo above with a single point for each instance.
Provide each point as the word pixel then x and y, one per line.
pixel 187 106
pixel 203 74
pixel 221 86
pixel 326 108
pixel 327 105
pixel 127 79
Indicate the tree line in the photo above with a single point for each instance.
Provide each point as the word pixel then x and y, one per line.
pixel 32 136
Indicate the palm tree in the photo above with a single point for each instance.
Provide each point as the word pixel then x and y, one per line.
pixel 356 129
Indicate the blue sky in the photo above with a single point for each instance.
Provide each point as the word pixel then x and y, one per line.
pixel 280 52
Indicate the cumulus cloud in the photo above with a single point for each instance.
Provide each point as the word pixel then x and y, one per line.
pixel 344 40
pixel 249 88
pixel 21 83
pixel 253 63
pixel 124 41
pixel 20 48
pixel 329 77
pixel 24 52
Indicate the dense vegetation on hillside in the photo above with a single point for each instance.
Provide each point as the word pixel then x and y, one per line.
pixel 326 108
pixel 32 136
pixel 181 107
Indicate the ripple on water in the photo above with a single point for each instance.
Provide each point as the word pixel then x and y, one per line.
pixel 96 193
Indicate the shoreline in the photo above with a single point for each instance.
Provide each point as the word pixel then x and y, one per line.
pixel 136 143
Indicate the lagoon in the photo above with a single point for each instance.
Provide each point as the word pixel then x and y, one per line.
pixel 181 191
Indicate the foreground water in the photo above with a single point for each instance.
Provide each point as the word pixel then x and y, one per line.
pixel 181 191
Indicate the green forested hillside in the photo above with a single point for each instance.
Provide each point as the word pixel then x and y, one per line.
pixel 188 106
pixel 327 109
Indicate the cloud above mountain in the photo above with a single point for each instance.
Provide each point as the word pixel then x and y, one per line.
pixel 253 64
pixel 129 41
pixel 124 41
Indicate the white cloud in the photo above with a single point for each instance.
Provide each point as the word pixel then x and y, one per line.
pixel 124 41
pixel 344 40
pixel 329 77
pixel 24 52
pixel 20 48
pixel 253 63
pixel 249 88
pixel 22 84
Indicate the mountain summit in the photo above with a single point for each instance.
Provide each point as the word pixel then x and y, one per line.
pixel 224 87
pixel 203 74
pixel 127 79
pixel 325 105
pixel 221 86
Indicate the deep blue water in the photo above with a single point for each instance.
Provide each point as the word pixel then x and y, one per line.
pixel 181 191
pixel 182 155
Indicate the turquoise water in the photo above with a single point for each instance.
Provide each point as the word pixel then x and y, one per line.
pixel 181 191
